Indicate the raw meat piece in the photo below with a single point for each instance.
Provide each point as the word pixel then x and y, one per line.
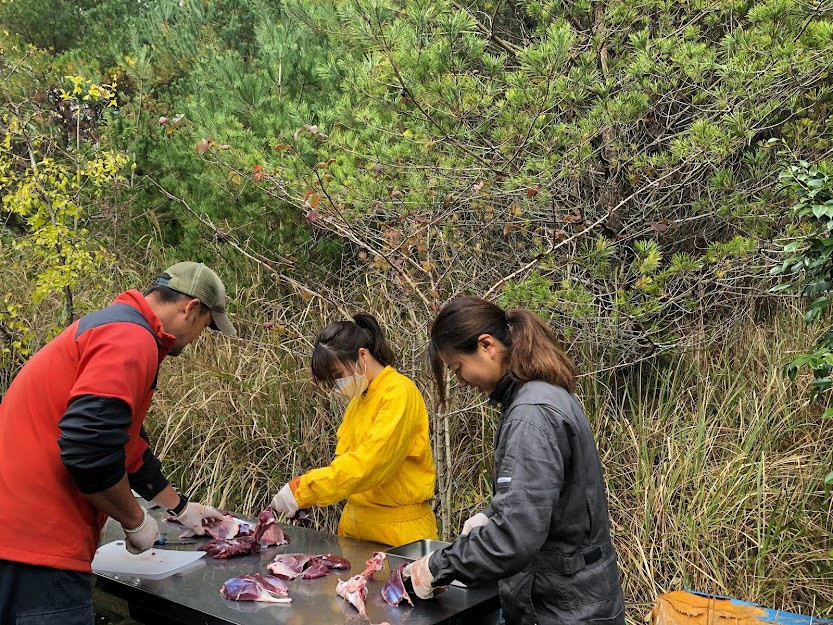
pixel 376 564
pixel 394 590
pixel 229 526
pixel 315 569
pixel 221 549
pixel 305 566
pixel 289 565
pixel 255 587
pixel 354 590
pixel 332 561
pixel 226 527
pixel 267 531
pixel 273 584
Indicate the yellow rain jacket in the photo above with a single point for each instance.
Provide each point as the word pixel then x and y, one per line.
pixel 383 466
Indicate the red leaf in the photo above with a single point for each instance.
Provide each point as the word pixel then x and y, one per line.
pixel 312 199
pixel 532 191
pixel 202 146
pixel 258 176
pixel 312 215
pixel 282 146
pixel 258 168
pixel 162 120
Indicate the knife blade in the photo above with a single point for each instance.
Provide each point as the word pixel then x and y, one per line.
pixel 163 540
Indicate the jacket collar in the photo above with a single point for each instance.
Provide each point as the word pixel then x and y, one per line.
pixel 505 391
pixel 374 384
pixel 135 299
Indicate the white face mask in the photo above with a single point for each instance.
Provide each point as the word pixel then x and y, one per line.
pixel 353 385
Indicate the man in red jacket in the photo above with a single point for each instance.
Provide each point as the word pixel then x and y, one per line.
pixel 72 444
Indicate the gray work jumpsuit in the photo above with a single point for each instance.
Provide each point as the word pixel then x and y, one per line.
pixel 548 536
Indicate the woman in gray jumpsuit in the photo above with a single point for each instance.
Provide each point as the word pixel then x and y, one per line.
pixel 545 535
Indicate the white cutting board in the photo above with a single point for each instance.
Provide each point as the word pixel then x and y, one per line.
pixel 156 563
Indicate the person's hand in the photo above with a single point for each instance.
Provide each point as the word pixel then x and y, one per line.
pixel 193 515
pixel 284 502
pixel 143 537
pixel 421 578
pixel 478 520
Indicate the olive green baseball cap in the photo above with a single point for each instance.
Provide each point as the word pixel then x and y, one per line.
pixel 197 280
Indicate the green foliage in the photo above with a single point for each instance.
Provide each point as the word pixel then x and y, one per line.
pixel 808 266
pixel 451 145
pixel 232 73
pixel 49 186
pixel 60 25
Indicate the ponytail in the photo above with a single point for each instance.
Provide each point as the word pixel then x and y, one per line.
pixel 532 351
pixel 339 344
pixel 535 353
pixel 376 344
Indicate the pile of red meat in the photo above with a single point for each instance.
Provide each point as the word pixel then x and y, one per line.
pixel 256 587
pixel 232 536
pixel 293 565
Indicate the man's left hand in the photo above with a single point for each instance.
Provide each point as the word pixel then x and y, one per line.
pixel 194 514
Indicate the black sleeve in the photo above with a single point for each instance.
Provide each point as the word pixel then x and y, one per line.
pixel 148 480
pixel 93 436
pixel 529 481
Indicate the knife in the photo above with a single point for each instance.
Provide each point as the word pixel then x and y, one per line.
pixel 163 540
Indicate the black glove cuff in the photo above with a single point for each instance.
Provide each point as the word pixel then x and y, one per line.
pixel 183 501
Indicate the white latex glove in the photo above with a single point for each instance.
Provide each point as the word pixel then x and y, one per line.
pixel 284 502
pixel 142 538
pixel 478 520
pixel 194 514
pixel 421 578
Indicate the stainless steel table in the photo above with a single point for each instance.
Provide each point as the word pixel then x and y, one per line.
pixel 192 595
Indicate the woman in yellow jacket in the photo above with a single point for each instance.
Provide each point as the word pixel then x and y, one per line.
pixel 383 464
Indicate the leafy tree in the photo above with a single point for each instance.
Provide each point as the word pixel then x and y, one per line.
pixel 240 73
pixel 619 150
pixel 55 168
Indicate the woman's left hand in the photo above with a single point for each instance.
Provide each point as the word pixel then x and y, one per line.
pixel 421 577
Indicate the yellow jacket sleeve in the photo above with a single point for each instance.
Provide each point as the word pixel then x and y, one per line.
pixel 373 462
